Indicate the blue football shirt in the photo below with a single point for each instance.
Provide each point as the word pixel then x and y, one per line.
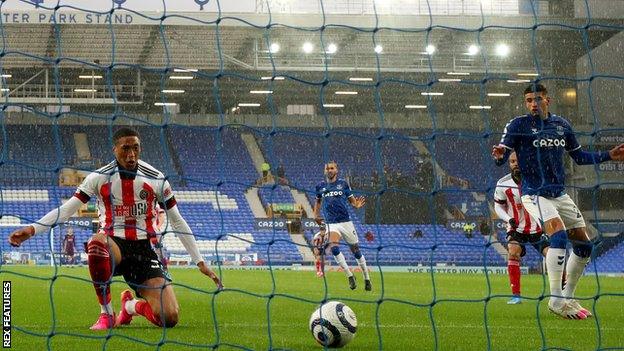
pixel 334 197
pixel 540 145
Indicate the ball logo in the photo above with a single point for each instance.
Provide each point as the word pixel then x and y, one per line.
pixel 167 192
pixel 549 142
pixel 201 4
pixel 119 3
pixel 143 194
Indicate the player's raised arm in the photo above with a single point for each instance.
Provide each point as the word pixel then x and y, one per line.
pixel 54 217
pixel 582 157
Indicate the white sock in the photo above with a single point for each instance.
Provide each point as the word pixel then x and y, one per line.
pixel 554 265
pixel 362 263
pixel 574 270
pixel 130 306
pixel 108 308
pixel 340 259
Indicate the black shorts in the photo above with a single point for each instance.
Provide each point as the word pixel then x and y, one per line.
pixel 538 241
pixel 139 263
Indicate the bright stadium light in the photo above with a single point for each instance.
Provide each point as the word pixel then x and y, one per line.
pixel 6 75
pixel 480 107
pixel 185 70
pixel 172 91
pixel 518 81
pixel 449 80
pixel 425 93
pixel 261 92
pixel 415 106
pixel 181 77
pixel 333 105
pixel 499 94
pixel 269 78
pixel 248 104
pixel 378 49
pixel 5 89
pixel 458 73
pixel 274 48
pixel 360 79
pixel 473 50
pixel 332 48
pixel 502 50
pixel 165 104
pixel 81 90
pixel 346 93
pixel 430 49
pixel 307 47
pixel 90 77
pixel 528 74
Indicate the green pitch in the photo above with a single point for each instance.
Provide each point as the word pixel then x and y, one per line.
pixel 398 315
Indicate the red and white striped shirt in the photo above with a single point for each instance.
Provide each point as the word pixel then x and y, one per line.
pixel 127 201
pixel 508 195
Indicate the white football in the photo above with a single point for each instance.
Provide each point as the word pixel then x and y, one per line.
pixel 333 324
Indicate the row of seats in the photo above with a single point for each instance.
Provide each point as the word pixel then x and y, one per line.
pixel 211 168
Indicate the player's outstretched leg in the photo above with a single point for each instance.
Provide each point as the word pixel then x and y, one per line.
pixel 99 261
pixel 578 260
pixel 340 259
pixel 362 263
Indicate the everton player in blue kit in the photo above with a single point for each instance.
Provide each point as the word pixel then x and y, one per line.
pixel 332 195
pixel 540 139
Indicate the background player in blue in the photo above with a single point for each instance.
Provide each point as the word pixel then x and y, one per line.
pixel 333 195
pixel 539 139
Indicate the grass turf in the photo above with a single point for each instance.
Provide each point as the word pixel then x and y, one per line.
pixel 263 310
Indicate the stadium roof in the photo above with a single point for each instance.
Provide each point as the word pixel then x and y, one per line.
pixel 229 60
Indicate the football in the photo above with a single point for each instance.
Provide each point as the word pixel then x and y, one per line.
pixel 333 324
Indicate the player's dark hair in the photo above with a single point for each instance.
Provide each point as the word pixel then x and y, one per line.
pixel 332 162
pixel 124 132
pixel 535 88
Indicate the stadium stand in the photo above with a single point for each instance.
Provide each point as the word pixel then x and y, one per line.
pixel 210 189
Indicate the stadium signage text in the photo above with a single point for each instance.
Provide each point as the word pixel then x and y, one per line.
pixel 498 224
pixel 84 222
pixel 611 139
pixel 66 18
pixel 463 270
pixel 278 223
pixel 460 224
pixel 611 167
pixel 310 224
pixel 270 224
